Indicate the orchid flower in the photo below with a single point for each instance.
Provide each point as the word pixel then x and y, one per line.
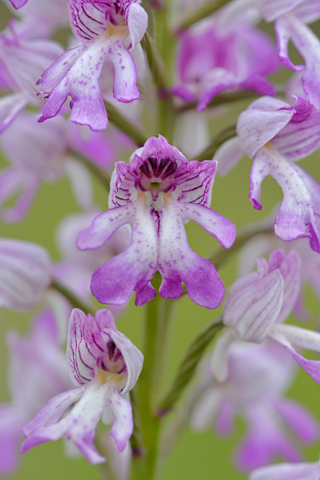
pixel 107 31
pixel 223 55
pixel 258 376
pixel 104 365
pixel 256 307
pixel 278 135
pixel 157 193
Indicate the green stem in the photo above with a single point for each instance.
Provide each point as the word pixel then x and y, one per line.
pixel 181 420
pixel 150 384
pixel 216 143
pixel 202 12
pixel 188 365
pixel 166 110
pixel 124 125
pixel 222 99
pixel 221 255
pixel 75 301
pixel 136 439
pixel 97 172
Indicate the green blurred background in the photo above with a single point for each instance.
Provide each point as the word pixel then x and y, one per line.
pixel 202 456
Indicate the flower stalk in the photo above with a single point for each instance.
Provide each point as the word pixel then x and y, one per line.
pixel 73 299
pixel 124 125
pixel 188 366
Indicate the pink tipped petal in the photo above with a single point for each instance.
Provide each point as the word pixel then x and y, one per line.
pixel 125 73
pixel 264 442
pixel 283 33
pixel 18 3
pixel 56 72
pixel 137 21
pixel 80 81
pixel 180 264
pixel 295 216
pixel 289 336
pixel 218 80
pixel 102 227
pixel 53 411
pixel 79 424
pixel 299 419
pixel 259 84
pixel 287 471
pixel 212 222
pixel 261 122
pixel 122 426
pixel 133 269
pixel 308 45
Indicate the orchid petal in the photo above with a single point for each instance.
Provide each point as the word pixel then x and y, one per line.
pixel 10 107
pixel 261 122
pixel 287 471
pixel 179 262
pixel 137 21
pixel 295 217
pixel 213 223
pixel 103 226
pixel 12 420
pixel 52 412
pixel 133 269
pixel 79 423
pixel 125 73
pixel 253 304
pixel 263 442
pixel 289 336
pixel 25 272
pixel 271 9
pixel 80 81
pixel 122 427
pixel 308 45
pixel 299 419
pixel 18 3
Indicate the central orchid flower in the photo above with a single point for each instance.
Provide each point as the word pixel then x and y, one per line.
pixel 157 193
pixel 106 30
